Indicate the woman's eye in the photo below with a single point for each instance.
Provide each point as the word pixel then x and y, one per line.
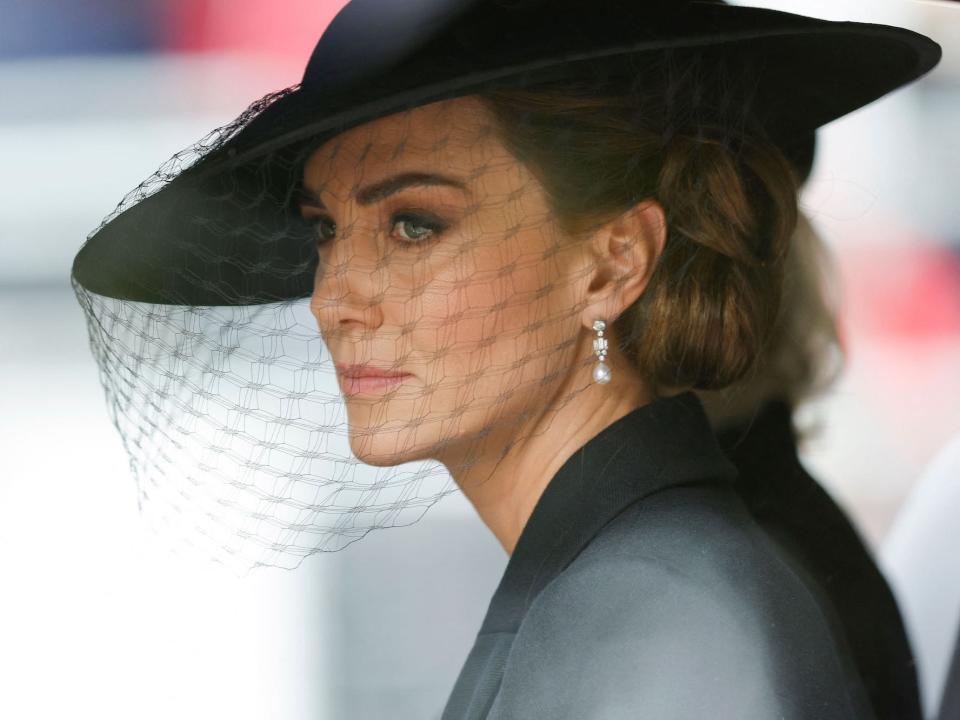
pixel 324 228
pixel 408 228
pixel 412 228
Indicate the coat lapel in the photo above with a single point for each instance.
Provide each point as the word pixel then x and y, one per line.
pixel 665 443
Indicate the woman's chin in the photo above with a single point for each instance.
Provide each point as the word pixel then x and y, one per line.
pixel 382 434
pixel 382 448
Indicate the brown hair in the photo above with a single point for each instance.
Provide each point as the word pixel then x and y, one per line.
pixel 684 135
pixel 805 354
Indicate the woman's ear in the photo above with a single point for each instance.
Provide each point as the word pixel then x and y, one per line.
pixel 625 252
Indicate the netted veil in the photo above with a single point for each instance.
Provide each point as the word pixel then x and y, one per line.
pixel 230 296
pixel 231 414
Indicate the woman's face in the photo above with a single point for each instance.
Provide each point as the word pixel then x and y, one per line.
pixel 439 259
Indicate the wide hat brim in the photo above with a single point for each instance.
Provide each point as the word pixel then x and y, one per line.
pixel 206 237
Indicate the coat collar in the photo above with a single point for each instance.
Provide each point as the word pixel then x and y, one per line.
pixel 665 443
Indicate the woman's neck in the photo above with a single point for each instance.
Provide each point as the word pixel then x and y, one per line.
pixel 505 488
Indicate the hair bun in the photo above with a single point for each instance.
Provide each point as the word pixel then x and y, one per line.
pixel 715 297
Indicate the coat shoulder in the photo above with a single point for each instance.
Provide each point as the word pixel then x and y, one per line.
pixel 680 607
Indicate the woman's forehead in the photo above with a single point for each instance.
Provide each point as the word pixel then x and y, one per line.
pixel 455 134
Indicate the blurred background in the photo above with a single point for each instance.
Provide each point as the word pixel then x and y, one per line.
pixel 99 620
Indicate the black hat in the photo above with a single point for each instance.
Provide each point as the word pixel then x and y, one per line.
pixel 171 241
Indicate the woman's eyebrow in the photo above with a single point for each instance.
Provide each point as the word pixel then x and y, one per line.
pixel 379 190
pixel 384 188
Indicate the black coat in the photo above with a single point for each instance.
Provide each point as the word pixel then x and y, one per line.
pixel 803 517
pixel 641 587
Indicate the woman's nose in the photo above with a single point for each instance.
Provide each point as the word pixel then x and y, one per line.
pixel 350 276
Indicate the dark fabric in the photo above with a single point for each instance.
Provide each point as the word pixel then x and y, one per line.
pixel 794 508
pixel 950 702
pixel 641 587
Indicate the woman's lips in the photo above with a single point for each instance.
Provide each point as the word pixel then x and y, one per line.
pixel 371 383
pixel 358 379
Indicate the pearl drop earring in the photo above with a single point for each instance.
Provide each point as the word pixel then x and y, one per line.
pixel 601 371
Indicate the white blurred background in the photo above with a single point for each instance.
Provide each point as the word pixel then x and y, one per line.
pixel 97 620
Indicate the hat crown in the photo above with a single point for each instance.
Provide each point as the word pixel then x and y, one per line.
pixel 368 36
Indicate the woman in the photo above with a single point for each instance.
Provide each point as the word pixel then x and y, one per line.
pixel 754 422
pixel 515 222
